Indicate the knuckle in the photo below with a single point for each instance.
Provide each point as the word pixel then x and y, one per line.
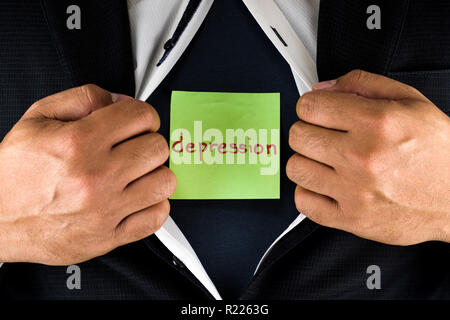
pixel 166 207
pixel 146 114
pixel 158 151
pixel 87 186
pixel 410 95
pixel 90 92
pixel 318 142
pixel 304 178
pixel 161 147
pixel 358 75
pixel 365 199
pixel 136 155
pixel 415 93
pixel 73 140
pixel 298 133
pixel 296 173
pixel 156 221
pixel 369 162
pixel 299 203
pixel 126 234
pixel 306 106
pixel 303 206
pixel 384 123
pixel 162 215
pixel 37 105
pixel 168 182
pixel 293 134
pixel 291 167
pixel 142 232
pixel 309 138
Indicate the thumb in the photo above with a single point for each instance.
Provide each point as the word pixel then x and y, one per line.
pixel 72 104
pixel 370 85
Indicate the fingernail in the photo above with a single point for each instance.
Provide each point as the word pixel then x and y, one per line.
pixel 324 85
pixel 114 97
pixel 117 97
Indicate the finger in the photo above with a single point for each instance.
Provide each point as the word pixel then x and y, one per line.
pixel 374 86
pixel 142 224
pixel 335 110
pixel 137 157
pixel 319 208
pixel 316 143
pixel 150 189
pixel 312 175
pixel 70 105
pixel 123 120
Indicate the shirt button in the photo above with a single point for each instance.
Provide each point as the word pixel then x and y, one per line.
pixel 177 262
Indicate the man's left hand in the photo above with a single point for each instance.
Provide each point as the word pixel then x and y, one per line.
pixel 373 159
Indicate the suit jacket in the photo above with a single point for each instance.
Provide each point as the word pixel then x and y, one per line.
pixel 39 57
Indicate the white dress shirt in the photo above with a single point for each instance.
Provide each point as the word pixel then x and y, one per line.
pixel 152 23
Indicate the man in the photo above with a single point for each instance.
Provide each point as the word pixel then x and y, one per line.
pixel 82 171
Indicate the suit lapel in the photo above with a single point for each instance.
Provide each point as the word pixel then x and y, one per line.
pixel 100 52
pixel 286 244
pixel 155 245
pixel 345 43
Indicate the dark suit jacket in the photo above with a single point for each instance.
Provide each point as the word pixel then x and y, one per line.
pixel 39 57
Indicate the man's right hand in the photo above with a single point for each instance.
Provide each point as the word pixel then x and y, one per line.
pixel 81 174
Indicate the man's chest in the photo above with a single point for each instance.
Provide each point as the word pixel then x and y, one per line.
pixel 236 58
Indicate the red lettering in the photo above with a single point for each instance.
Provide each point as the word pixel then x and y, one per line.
pixel 178 142
pixel 212 146
pixel 234 146
pixel 270 146
pixel 202 146
pixel 190 147
pixel 222 147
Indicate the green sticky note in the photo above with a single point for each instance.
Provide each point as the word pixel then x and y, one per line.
pixel 225 145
